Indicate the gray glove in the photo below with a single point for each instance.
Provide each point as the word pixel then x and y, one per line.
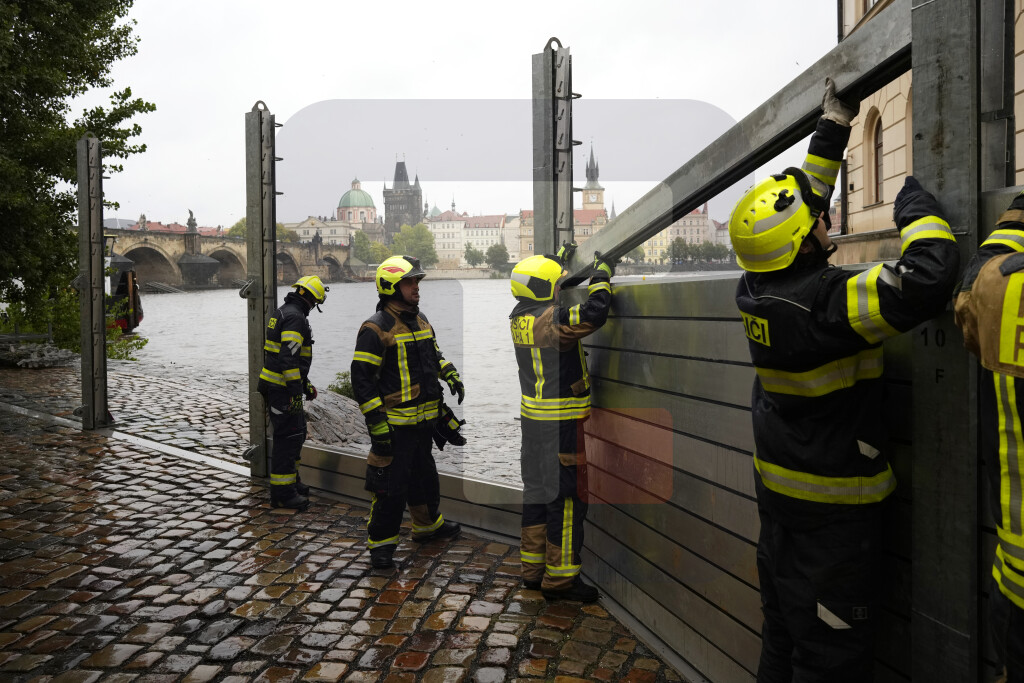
pixel 834 109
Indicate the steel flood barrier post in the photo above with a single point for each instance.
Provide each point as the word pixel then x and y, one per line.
pixel 91 292
pixel 260 290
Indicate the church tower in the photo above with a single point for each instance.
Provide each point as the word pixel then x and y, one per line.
pixel 402 203
pixel 593 193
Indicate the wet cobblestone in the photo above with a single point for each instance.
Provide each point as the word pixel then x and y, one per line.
pixel 119 562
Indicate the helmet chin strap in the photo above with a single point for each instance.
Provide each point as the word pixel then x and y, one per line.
pixel 822 251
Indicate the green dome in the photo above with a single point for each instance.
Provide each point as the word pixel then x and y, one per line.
pixel 356 198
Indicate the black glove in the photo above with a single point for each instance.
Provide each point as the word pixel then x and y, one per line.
pixel 377 479
pixel 446 429
pixel 565 252
pixel 380 439
pixel 295 405
pixel 309 390
pixel 451 376
pixel 912 203
pixel 603 265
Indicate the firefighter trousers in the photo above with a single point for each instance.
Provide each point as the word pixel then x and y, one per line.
pixel 1007 623
pixel 819 576
pixel 554 504
pixel 289 433
pixel 411 479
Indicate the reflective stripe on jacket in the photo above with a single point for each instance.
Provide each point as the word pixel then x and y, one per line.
pixel 288 347
pixel 553 378
pixel 396 366
pixel 815 333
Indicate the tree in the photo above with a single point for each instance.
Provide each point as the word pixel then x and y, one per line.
pixel 474 257
pixel 379 252
pixel 416 240
pixel 361 247
pixel 239 229
pixel 636 255
pixel 50 53
pixel 497 257
pixel 679 251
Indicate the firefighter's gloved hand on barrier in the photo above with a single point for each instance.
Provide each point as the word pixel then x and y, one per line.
pixel 912 203
pixel 566 251
pixel 446 429
pixel 295 405
pixel 380 439
pixel 834 109
pixel 309 391
pixel 603 265
pixel 451 376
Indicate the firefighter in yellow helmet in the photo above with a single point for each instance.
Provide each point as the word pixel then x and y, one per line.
pixel 396 370
pixel 815 336
pixel 284 381
pixel 555 400
pixel 990 312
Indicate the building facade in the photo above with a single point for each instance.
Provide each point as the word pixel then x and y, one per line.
pixel 448 229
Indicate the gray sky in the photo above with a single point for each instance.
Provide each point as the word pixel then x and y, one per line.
pixel 204 64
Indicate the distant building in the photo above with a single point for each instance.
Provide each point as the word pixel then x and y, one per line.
pixel 484 231
pixel 694 228
pixel 510 237
pixel 525 233
pixel 448 229
pixel 356 205
pixel 402 203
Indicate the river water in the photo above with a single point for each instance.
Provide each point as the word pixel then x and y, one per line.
pixel 202 335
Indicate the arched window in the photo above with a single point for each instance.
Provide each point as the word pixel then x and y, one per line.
pixel 362 216
pixel 350 215
pixel 878 157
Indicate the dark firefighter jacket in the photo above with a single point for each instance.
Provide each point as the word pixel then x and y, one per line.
pixel 553 377
pixel 815 334
pixel 990 311
pixel 396 367
pixel 288 349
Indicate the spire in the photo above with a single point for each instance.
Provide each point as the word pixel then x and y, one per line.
pixel 593 172
pixel 453 203
pixel 401 181
pixel 705 211
pixel 417 183
pixel 613 211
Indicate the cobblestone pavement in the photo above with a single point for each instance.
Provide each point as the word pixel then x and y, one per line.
pixel 121 563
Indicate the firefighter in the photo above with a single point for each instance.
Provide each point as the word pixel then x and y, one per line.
pixel 284 381
pixel 990 312
pixel 395 376
pixel 555 401
pixel 815 336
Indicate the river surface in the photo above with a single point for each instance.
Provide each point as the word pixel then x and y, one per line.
pixel 202 335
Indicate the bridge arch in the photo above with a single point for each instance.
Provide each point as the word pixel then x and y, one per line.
pixel 152 264
pixel 287 268
pixel 232 267
pixel 335 269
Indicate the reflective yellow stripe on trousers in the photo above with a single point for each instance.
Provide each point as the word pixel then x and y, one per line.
pixel 567 568
pixel 836 490
pixel 1011 457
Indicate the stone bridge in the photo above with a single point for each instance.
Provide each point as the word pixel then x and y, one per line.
pixel 191 260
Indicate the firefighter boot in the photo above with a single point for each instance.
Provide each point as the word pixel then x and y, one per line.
pixel 446 530
pixel 287 497
pixel 300 488
pixel 381 558
pixel 578 592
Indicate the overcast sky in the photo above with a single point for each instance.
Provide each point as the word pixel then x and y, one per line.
pixel 657 79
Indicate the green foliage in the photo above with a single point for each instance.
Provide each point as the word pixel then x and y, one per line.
pixel 64 313
pixel 342 384
pixel 497 257
pixel 474 257
pixel 52 51
pixel 361 247
pixel 636 255
pixel 239 229
pixel 378 252
pixel 416 240
pixel 680 250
